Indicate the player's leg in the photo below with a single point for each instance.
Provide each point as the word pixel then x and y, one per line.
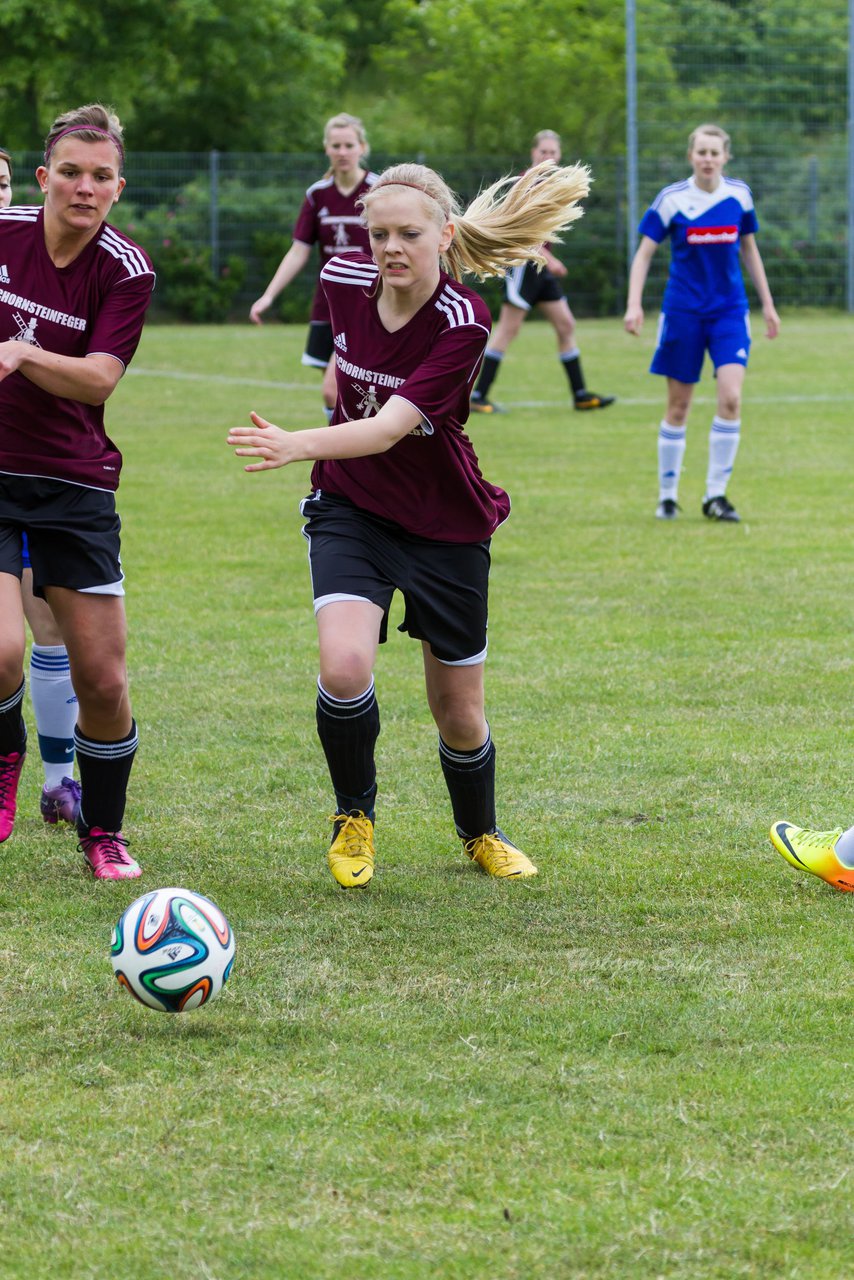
pixel 724 438
pixel 729 347
pixel 54 703
pixel 447 598
pixel 827 854
pixel 679 353
pixel 330 389
pixel 348 725
pixel 352 593
pixel 510 320
pixel 13 732
pixel 559 314
pixel 318 354
pixel 467 755
pixel 94 628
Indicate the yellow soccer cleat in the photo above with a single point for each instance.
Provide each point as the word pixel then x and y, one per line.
pixel 495 855
pixel 813 851
pixel 351 854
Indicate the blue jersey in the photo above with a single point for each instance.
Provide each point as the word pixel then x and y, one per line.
pixel 705 228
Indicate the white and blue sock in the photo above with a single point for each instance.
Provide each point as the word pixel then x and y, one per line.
pixel 724 438
pixel 671 451
pixel 845 847
pixel 55 707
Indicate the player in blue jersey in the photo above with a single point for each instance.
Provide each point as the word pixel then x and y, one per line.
pixel 711 223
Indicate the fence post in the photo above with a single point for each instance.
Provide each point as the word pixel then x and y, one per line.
pixel 214 181
pixel 632 130
pixel 850 140
pixel 619 260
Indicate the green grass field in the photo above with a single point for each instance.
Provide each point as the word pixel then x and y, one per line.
pixel 636 1065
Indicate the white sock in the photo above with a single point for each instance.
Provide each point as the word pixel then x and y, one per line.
pixel 845 847
pixel 723 446
pixel 55 705
pixel 671 451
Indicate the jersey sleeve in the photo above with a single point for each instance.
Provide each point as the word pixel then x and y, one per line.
pixel 118 326
pixel 749 222
pixel 306 229
pixel 437 385
pixel 651 225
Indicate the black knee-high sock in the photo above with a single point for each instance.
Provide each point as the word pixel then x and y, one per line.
pixel 488 370
pixel 13 730
pixel 571 361
pixel 470 779
pixel 348 730
pixel 104 774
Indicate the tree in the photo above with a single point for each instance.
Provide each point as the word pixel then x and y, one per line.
pixel 489 73
pixel 182 74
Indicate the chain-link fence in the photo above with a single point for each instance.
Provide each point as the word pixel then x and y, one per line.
pixel 218 224
pixel 774 74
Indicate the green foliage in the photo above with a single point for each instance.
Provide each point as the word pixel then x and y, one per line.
pixel 183 74
pixel 492 72
pixel 774 73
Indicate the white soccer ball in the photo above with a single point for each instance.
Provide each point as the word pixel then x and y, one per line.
pixel 173 950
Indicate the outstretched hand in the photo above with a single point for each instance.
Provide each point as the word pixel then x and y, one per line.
pixel 263 440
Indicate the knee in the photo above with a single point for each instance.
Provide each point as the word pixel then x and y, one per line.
pixel 11 670
pixel 102 691
pixel 460 722
pixel 345 674
pixel 565 329
pixel 729 406
pixel 677 410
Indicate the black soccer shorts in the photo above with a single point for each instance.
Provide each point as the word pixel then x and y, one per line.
pixel 73 534
pixel 355 555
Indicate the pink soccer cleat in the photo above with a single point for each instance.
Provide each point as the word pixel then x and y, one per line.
pixel 107 855
pixel 10 773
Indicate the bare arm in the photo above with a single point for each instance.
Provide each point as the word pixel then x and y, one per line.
pixel 356 439
pixel 554 264
pixel 89 379
pixel 291 265
pixel 633 319
pixel 752 260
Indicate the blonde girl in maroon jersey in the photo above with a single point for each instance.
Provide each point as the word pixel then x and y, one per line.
pixel 398 501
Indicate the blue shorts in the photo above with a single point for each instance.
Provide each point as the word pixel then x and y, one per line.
pixel 684 339
pixel 25 553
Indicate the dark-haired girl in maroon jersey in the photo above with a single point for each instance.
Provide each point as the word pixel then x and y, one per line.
pixel 398 501
pixel 73 296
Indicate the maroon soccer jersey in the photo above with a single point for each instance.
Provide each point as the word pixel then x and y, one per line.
pixel 95 305
pixel 332 221
pixel 430 481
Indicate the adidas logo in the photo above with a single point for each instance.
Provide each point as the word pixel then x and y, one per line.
pixel 5 278
pixel 741 353
pixel 341 342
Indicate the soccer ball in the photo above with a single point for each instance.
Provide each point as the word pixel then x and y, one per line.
pixel 173 950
